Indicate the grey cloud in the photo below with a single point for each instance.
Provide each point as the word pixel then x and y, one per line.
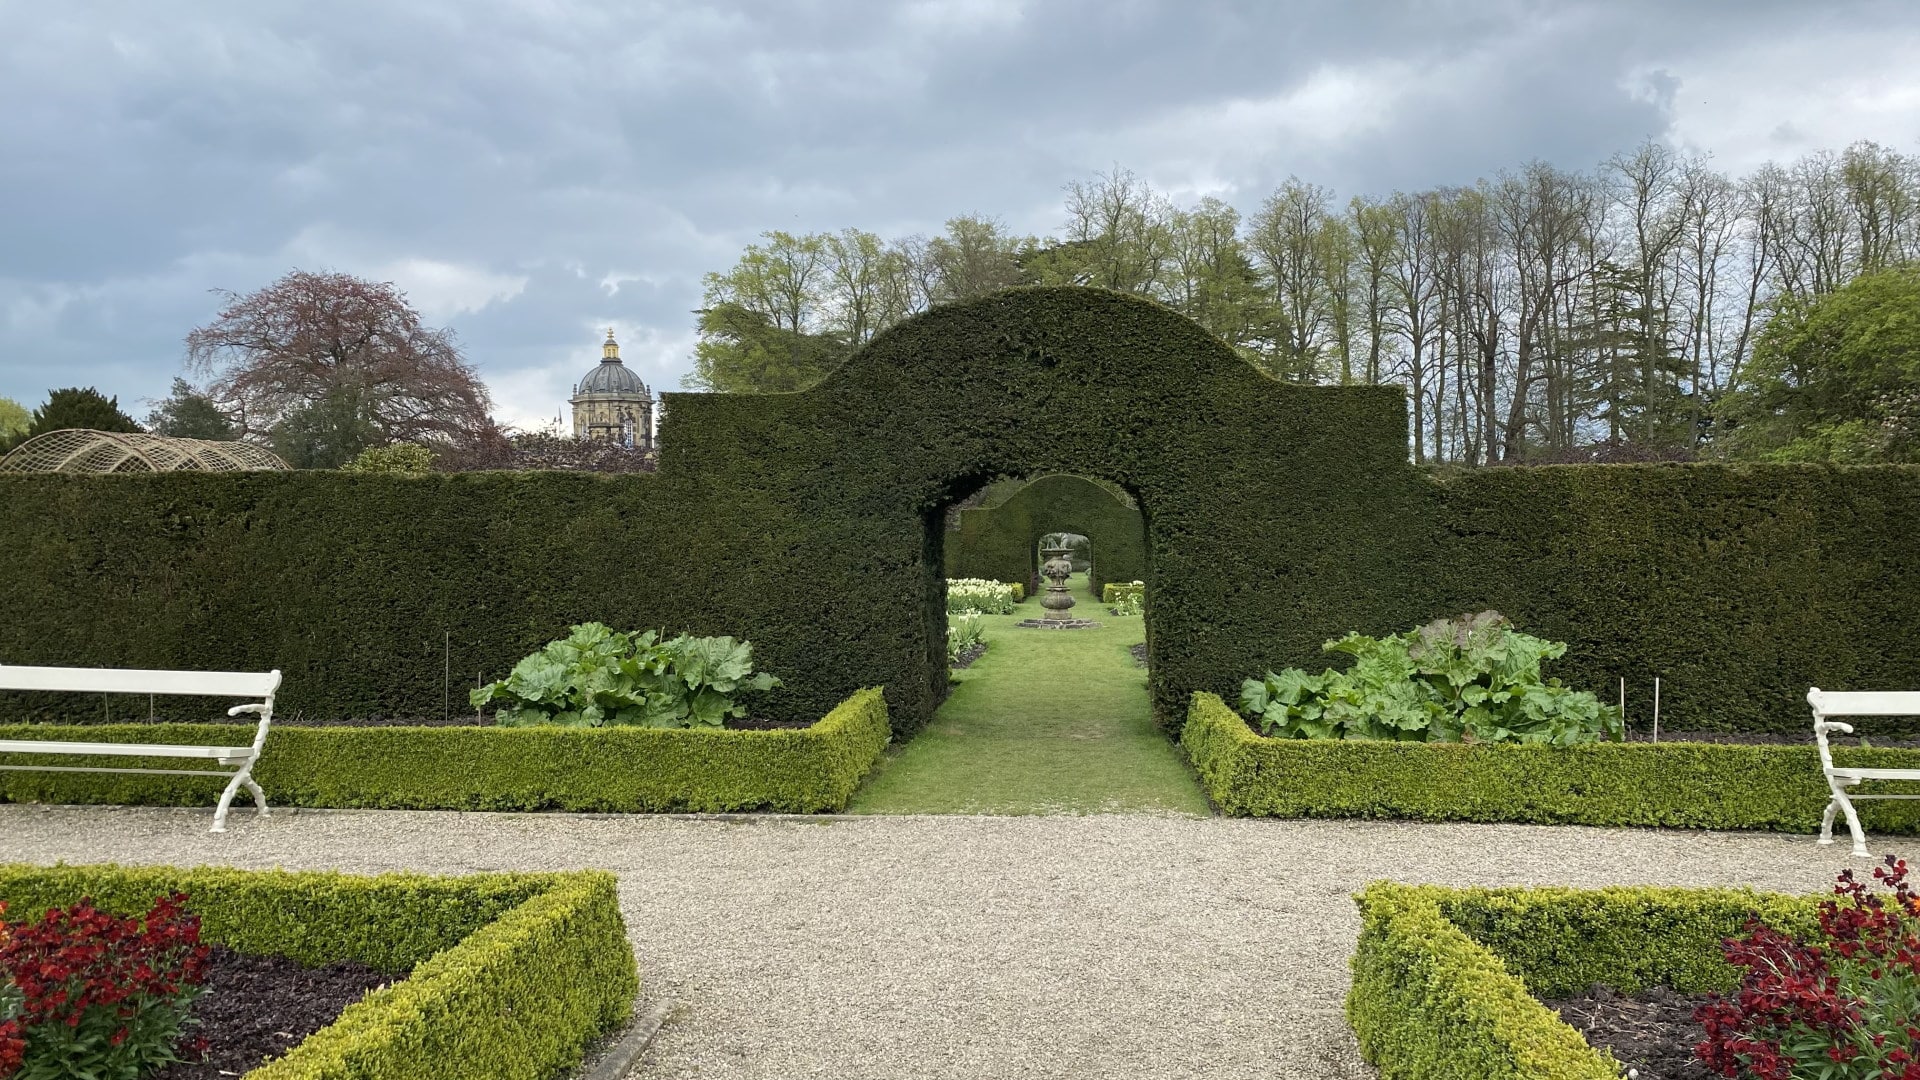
pixel 146 158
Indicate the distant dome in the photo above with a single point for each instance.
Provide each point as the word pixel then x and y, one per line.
pixel 610 376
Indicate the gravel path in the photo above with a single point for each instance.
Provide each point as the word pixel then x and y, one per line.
pixel 1125 946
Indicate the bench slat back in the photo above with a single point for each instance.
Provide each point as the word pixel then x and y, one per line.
pixel 229 684
pixel 1865 702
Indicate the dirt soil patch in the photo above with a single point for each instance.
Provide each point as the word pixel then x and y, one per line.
pixel 255 1008
pixel 1652 1031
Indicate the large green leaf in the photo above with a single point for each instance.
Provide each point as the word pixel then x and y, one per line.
pixel 1468 678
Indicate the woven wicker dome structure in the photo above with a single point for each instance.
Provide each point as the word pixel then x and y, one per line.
pixel 79 450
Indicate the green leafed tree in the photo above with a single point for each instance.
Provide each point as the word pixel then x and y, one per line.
pixel 186 413
pixel 77 407
pixel 742 351
pixel 762 329
pixel 1835 377
pixel 14 419
pixel 328 433
pixel 975 256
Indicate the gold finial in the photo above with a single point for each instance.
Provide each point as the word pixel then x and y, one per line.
pixel 611 350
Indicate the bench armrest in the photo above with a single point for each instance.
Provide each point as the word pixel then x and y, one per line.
pixel 265 710
pixel 1835 725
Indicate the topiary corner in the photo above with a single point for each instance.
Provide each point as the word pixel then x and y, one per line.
pixel 508 976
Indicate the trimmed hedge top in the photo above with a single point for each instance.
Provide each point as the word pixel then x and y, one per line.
pixel 1276 516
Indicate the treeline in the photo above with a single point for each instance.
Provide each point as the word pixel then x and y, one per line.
pixel 1536 315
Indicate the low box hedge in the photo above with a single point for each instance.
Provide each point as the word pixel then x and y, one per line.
pixel 1777 788
pixel 1447 982
pixel 799 770
pixel 511 975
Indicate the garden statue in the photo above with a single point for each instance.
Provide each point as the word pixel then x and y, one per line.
pixel 1058 601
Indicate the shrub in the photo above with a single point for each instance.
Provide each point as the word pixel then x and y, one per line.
pixel 98 997
pixel 509 976
pixel 963 634
pixel 596 677
pixel 1677 785
pixel 632 770
pixel 981 595
pixel 1473 679
pixel 1847 1006
pixel 1445 980
pixel 402 459
pixel 1128 599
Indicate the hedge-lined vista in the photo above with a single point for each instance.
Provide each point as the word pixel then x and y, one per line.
pixel 1446 982
pixel 801 771
pixel 509 976
pixel 1276 516
pixel 1778 788
pixel 1001 542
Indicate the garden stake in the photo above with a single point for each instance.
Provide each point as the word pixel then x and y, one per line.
pixel 1656 708
pixel 446 676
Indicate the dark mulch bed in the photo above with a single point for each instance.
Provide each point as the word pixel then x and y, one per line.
pixel 1139 654
pixel 254 1008
pixel 968 655
pixel 1651 1031
pixel 750 724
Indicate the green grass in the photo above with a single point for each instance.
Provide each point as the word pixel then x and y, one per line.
pixel 1048 721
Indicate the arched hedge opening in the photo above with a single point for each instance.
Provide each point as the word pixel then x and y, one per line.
pixel 1000 542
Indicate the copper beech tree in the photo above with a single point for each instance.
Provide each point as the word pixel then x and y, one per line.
pixel 310 341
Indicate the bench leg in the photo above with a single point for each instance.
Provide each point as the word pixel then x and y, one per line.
pixel 244 776
pixel 259 797
pixel 1853 820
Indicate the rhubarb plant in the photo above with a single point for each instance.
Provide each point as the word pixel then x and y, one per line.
pixel 1468 679
pixel 599 677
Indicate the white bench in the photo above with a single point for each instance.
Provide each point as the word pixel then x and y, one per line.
pixel 226 684
pixel 1828 703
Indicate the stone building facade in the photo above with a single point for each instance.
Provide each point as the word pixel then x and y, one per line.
pixel 612 403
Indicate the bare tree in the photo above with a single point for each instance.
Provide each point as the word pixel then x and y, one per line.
pixel 1289 238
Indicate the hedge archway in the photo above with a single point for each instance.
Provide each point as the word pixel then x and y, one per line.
pixel 1253 491
pixel 1276 516
pixel 998 542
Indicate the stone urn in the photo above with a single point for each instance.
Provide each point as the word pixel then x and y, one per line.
pixel 1058 601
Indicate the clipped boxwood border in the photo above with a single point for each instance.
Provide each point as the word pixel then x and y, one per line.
pixel 801 770
pixel 1684 785
pixel 1446 982
pixel 512 975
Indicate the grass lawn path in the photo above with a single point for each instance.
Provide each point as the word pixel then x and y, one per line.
pixel 1048 721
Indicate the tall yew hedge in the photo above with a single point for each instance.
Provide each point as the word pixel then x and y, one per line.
pixel 1277 516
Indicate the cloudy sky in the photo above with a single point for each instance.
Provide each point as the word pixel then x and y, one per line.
pixel 533 170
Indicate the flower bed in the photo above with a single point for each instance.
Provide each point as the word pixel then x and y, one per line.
pixel 803 770
pixel 1685 785
pixel 512 975
pixel 1447 982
